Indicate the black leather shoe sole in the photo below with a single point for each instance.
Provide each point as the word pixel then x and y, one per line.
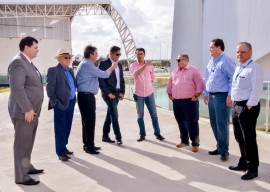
pixel 69 152
pixel 224 157
pixel 64 158
pixel 35 171
pixel 215 152
pixel 159 137
pixel 141 139
pixel 29 182
pixel 108 140
pixel 249 175
pixel 93 152
pixel 237 168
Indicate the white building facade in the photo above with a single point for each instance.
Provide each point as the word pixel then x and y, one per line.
pixel 197 22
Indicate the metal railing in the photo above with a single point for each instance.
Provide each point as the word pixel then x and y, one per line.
pixel 163 101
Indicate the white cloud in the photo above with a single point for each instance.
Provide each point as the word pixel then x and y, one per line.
pixel 146 19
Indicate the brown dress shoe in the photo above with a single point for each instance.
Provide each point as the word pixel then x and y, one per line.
pixel 195 149
pixel 180 145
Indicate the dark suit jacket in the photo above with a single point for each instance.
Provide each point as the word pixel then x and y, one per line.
pixel 26 88
pixel 108 85
pixel 58 89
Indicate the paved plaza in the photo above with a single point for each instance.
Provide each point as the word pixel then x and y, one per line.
pixel 148 166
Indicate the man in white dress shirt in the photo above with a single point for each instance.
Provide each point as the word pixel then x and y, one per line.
pixel 246 92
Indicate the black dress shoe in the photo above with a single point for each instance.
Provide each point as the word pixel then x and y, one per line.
pixel 160 137
pixel 30 181
pixel 97 148
pixel 94 152
pixel 69 152
pixel 108 140
pixel 35 171
pixel 249 175
pixel 119 142
pixel 237 168
pixel 215 152
pixel 63 157
pixel 141 138
pixel 224 156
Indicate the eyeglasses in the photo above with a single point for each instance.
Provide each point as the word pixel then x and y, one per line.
pixel 67 57
pixel 118 54
pixel 179 60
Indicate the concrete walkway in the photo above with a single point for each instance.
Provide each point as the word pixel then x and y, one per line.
pixel 148 166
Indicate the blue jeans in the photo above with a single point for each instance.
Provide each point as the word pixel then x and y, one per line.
pixel 112 117
pixel 62 127
pixel 219 119
pixel 151 106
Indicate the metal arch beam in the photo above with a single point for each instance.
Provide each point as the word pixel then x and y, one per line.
pixel 53 10
pixel 123 30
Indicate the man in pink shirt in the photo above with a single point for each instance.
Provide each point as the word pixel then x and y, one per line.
pixel 184 87
pixel 143 73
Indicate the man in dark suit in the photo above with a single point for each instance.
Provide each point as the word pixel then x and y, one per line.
pixel 24 107
pixel 61 90
pixel 113 90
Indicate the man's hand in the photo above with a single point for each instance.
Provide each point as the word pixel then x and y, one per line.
pixel 229 101
pixel 115 65
pixel 205 99
pixel 121 96
pixel 170 97
pixel 148 63
pixel 249 107
pixel 111 96
pixel 29 116
pixel 193 98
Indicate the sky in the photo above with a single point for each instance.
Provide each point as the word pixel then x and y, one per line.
pixel 149 21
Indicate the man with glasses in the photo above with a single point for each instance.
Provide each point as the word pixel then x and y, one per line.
pixel 143 73
pixel 217 95
pixel 184 87
pixel 246 93
pixel 113 90
pixel 87 81
pixel 61 90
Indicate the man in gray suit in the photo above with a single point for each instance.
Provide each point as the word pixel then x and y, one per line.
pixel 61 89
pixel 24 107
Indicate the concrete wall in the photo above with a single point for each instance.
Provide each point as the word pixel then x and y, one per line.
pixel 233 21
pixel 45 58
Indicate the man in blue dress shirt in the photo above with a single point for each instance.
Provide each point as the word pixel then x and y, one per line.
pixel 87 81
pixel 217 94
pixel 246 93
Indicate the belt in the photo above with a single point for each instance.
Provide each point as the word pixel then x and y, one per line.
pixel 86 93
pixel 240 103
pixel 187 99
pixel 218 93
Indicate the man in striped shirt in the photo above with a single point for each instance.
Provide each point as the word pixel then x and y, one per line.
pixel 246 93
pixel 184 87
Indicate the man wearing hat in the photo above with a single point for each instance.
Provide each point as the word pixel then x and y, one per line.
pixel 61 89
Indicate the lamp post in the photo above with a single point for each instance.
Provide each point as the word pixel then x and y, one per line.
pixel 159 48
pixel 167 54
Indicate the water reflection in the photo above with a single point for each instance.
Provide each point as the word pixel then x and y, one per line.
pixel 163 101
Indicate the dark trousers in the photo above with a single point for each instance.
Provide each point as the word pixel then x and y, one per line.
pixel 186 113
pixel 62 127
pixel 244 124
pixel 112 117
pixel 87 106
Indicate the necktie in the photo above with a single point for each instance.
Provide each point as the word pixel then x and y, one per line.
pixel 37 72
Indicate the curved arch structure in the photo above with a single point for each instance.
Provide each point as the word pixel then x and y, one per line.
pixel 70 10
